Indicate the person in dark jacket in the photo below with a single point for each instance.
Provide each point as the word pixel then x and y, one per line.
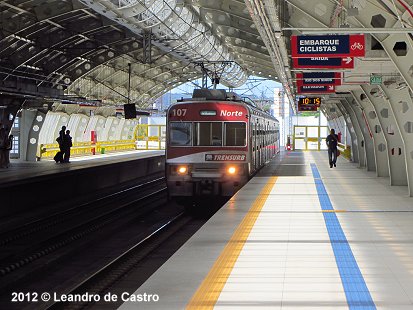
pixel 332 142
pixel 59 156
pixel 67 144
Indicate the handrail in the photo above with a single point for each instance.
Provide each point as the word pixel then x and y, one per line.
pixel 146 137
pixel 150 137
pixel 86 148
pixel 345 150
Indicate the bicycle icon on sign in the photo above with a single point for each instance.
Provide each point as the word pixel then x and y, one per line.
pixel 356 46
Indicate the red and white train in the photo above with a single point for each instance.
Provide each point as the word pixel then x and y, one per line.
pixel 215 144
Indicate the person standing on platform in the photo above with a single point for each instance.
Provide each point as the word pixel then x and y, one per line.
pixel 59 156
pixel 332 142
pixel 67 144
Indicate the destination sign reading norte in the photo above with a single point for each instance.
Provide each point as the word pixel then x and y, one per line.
pixel 328 46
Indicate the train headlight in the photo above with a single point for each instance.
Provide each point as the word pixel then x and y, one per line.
pixel 182 169
pixel 232 170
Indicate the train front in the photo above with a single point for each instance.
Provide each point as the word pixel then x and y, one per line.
pixel 207 149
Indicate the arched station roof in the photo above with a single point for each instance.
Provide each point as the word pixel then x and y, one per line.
pixel 87 48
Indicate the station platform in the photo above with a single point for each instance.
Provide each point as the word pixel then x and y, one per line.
pixel 24 170
pixel 28 186
pixel 299 235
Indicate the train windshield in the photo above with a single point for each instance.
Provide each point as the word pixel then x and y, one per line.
pixel 180 133
pixel 208 134
pixel 235 134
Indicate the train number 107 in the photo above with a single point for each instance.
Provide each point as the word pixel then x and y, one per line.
pixel 179 112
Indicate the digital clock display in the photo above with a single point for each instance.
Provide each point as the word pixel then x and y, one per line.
pixel 309 103
pixel 310 100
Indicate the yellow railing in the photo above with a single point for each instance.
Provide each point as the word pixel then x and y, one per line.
pixel 345 150
pixel 147 137
pixel 113 146
pixel 87 148
pixel 150 137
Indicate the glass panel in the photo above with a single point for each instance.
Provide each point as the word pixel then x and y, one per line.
pixel 16 123
pixel 180 133
pixel 323 145
pixel 312 145
pixel 15 145
pixel 208 134
pixel 312 132
pixel 324 132
pixel 299 144
pixel 300 132
pixel 235 134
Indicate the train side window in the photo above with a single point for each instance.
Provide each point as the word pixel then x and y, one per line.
pixel 235 134
pixel 180 133
pixel 208 134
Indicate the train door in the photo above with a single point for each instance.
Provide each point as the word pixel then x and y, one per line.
pixel 255 144
pixel 266 142
pixel 251 146
pixel 261 143
pixel 258 144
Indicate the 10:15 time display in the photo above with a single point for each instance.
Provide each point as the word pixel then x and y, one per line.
pixel 310 100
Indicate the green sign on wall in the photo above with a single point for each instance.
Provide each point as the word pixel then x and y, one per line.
pixel 375 79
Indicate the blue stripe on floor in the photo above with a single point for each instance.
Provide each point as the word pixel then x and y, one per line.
pixel 355 288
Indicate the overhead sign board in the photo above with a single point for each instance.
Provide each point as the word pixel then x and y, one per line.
pixel 315 89
pixel 319 78
pixel 375 79
pixel 328 46
pixel 323 63
pixel 303 108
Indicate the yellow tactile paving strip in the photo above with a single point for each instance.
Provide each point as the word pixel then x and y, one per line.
pixel 208 292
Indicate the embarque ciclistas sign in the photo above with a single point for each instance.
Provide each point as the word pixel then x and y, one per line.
pixel 328 46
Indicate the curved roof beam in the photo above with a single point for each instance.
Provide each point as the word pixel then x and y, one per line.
pixel 167 20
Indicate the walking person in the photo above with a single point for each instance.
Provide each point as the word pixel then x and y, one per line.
pixel 332 142
pixel 67 144
pixel 59 155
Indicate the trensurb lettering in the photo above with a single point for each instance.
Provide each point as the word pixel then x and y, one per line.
pixel 225 157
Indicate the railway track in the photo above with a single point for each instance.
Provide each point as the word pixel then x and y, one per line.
pixel 47 240
pixel 60 217
pixel 92 249
pixel 99 282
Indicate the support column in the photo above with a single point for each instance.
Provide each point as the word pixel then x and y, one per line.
pixel 360 139
pixel 365 131
pixel 354 142
pixel 397 167
pixel 379 142
pixel 401 105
